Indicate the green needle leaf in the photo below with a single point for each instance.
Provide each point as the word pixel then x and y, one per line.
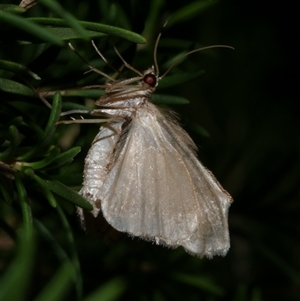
pixel 68 194
pixel 12 8
pixel 17 68
pixel 48 133
pixel 54 116
pixel 46 191
pixel 40 164
pixel 110 291
pixel 13 136
pixel 68 34
pixel 108 29
pixel 64 158
pixel 59 285
pixel 7 189
pixel 70 19
pixel 14 283
pixel 88 93
pixel 13 87
pixel 27 26
pixel 26 210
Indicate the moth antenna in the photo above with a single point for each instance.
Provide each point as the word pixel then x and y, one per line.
pixel 155 50
pixel 94 86
pixel 126 64
pixel 75 112
pixel 99 53
pixel 155 55
pixel 91 67
pixel 83 121
pixel 42 98
pixel 193 51
pixel 104 59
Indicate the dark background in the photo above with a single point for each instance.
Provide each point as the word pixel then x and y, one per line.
pixel 243 115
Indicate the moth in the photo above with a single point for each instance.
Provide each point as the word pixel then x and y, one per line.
pixel 143 175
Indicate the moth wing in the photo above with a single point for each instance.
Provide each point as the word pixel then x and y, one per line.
pixel 95 165
pixel 158 190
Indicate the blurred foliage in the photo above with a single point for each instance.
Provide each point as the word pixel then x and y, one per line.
pixel 245 103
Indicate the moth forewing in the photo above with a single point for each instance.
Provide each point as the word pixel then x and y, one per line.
pixel 143 174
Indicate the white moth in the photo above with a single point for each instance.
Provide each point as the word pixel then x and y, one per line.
pixel 143 175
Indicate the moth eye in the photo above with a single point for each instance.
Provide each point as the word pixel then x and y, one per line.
pixel 150 79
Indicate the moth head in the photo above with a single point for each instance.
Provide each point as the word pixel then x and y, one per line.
pixel 150 78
